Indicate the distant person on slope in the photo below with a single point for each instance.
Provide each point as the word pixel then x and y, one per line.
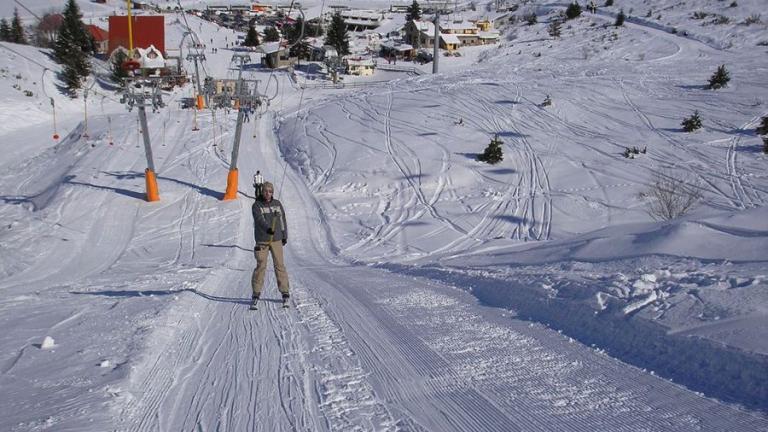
pixel 258 180
pixel 270 230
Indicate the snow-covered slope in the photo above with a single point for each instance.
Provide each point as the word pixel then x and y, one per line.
pixel 430 292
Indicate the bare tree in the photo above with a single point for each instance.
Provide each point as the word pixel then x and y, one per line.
pixel 671 194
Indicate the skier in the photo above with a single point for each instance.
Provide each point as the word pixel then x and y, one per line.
pixel 258 180
pixel 270 230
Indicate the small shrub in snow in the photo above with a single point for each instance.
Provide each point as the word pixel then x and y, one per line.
pixel 671 195
pixel 765 144
pixel 720 20
pixel 609 2
pixel 554 29
pixel 763 128
pixel 573 11
pixel 763 43
pixel 734 4
pixel 700 15
pixel 752 19
pixel 720 78
pixel 620 19
pixel 492 153
pixel 692 123
pixel 531 19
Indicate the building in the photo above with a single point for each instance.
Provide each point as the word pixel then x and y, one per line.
pixel 147 31
pixel 392 51
pixel 420 34
pixel 100 39
pixel 359 20
pixel 359 66
pixel 275 55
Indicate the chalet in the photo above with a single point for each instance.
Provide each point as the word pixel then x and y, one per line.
pixel 359 20
pixel 275 55
pixel 393 50
pixel 420 34
pixel 359 66
pixel 465 31
pixel 100 39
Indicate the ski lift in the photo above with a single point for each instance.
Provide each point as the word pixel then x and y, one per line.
pixel 131 65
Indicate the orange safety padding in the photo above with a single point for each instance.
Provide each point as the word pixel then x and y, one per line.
pixel 200 102
pixel 231 192
pixel 152 192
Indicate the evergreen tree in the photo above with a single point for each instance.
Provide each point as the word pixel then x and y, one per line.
pixel 252 38
pixel 118 71
pixel 692 123
pixel 720 78
pixel 620 18
pixel 71 48
pixel 5 30
pixel 337 36
pixel 492 153
pixel 413 12
pixel 295 32
pixel 763 128
pixel 17 30
pixel 271 34
pixel 72 79
pixel 573 11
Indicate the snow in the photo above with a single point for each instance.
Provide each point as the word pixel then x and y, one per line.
pixel 430 291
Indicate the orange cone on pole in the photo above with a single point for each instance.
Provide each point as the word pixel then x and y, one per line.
pixel 231 192
pixel 152 191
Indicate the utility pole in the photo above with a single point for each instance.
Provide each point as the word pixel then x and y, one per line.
pixel 243 101
pixel 435 52
pixel 142 92
pixel 195 57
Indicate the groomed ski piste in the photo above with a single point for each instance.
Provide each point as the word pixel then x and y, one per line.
pixel 430 292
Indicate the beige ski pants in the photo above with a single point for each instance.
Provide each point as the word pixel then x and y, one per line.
pixel 262 251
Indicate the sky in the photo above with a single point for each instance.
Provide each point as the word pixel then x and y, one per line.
pixel 430 291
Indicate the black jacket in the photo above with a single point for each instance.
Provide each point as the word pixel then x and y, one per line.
pixel 269 215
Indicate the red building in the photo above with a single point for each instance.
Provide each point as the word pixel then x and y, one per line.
pixel 100 37
pixel 147 30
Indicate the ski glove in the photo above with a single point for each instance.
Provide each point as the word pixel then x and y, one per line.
pixel 285 242
pixel 270 231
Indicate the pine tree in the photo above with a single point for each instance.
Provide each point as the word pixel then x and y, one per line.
pixel 620 18
pixel 118 71
pixel 252 38
pixel 5 30
pixel 720 78
pixel 413 12
pixel 337 36
pixel 17 30
pixel 271 34
pixel 71 48
pixel 692 123
pixel 573 11
pixel 72 79
pixel 492 153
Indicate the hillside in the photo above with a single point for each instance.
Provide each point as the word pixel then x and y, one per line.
pixel 430 291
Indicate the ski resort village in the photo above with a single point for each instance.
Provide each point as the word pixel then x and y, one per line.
pixel 383 215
